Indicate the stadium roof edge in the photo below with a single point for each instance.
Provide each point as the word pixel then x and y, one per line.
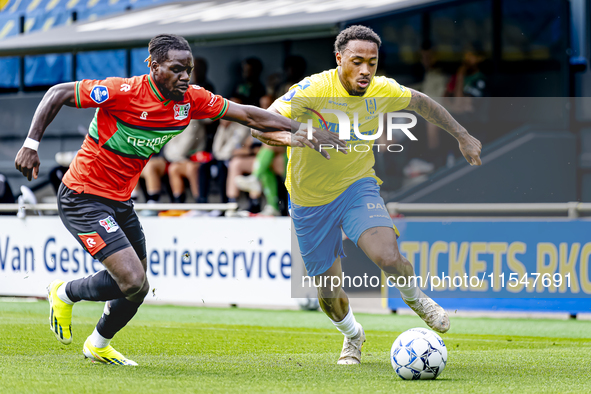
pixel 218 22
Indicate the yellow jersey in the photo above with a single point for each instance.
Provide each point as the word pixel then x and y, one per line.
pixel 311 179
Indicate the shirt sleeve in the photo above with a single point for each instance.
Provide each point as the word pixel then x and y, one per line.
pixel 398 96
pixel 205 104
pixel 108 93
pixel 293 103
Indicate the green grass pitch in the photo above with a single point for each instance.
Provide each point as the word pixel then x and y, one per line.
pixel 189 349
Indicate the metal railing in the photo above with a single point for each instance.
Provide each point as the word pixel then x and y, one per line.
pixel 568 209
pixel 21 208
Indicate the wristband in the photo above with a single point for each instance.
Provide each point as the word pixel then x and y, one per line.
pixel 31 144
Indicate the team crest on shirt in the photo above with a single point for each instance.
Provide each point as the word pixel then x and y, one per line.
pixel 181 111
pixel 109 224
pixel 371 105
pixel 99 94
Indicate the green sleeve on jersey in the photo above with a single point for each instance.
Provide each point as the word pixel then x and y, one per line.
pixel 222 112
pixel 78 104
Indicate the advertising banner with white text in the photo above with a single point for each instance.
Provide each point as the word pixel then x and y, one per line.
pixel 189 260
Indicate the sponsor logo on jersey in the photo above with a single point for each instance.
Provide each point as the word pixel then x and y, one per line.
pixel 151 143
pixel 337 103
pixel 375 206
pixel 92 242
pixel 213 100
pixel 99 94
pixel 196 87
pixel 109 224
pixel 125 87
pixel 144 115
pixel 181 111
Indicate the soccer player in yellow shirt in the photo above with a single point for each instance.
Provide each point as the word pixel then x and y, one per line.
pixel 343 192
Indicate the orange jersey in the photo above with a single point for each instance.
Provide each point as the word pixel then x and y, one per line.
pixel 132 122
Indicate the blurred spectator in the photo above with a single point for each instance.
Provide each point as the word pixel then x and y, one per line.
pixel 466 88
pixel 251 89
pixel 63 159
pixel 242 163
pixel 294 70
pixel 433 85
pixel 269 162
pixel 199 75
pixel 153 173
pixel 230 139
pixel 457 95
pixel 6 196
pixel 180 168
pixel 468 80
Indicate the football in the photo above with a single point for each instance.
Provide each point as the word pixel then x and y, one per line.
pixel 418 353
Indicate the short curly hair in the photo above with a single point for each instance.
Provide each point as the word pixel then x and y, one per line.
pixel 161 44
pixel 355 32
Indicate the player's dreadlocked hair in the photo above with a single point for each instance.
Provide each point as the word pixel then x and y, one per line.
pixel 355 32
pixel 161 44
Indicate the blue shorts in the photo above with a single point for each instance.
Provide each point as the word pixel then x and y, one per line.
pixel 318 229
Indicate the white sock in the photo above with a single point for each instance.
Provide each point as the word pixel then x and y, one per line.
pixel 410 292
pixel 61 294
pixel 348 326
pixel 98 340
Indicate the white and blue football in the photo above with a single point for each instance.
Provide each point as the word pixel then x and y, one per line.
pixel 418 353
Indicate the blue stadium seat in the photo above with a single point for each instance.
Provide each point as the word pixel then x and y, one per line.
pixel 101 64
pixel 41 15
pixel 9 66
pixel 138 64
pixel 47 69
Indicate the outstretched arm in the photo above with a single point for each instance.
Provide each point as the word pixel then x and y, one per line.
pixel 27 159
pixel 274 129
pixel 433 112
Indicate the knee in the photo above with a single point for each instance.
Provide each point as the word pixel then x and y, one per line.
pixel 144 290
pixel 233 165
pixel 174 169
pixel 134 283
pixel 391 262
pixel 330 289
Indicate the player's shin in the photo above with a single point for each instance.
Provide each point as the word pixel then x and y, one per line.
pixel 407 286
pixel 400 275
pixel 335 305
pixel 334 302
pixel 98 287
pixel 116 315
pixel 348 326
